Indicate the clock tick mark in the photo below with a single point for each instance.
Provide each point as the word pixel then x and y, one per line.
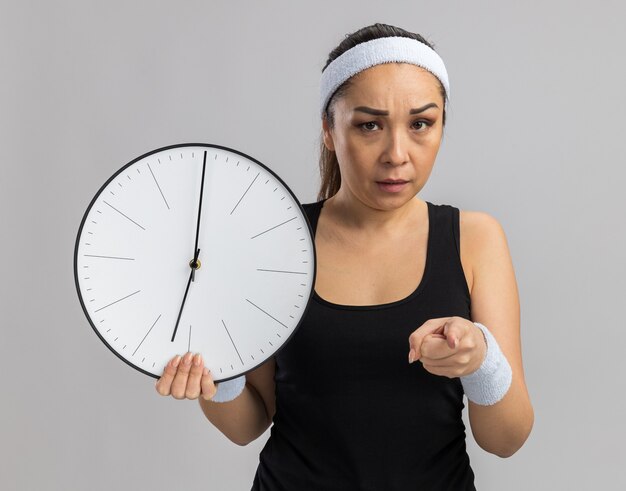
pixel 117 301
pixel 280 271
pixel 120 184
pixel 157 319
pixel 157 183
pixel 267 314
pixel 231 340
pixel 109 257
pixel 124 215
pixel 286 221
pixel 245 192
pixel 112 193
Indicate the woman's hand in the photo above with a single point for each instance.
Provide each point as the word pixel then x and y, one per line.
pixel 449 346
pixel 186 378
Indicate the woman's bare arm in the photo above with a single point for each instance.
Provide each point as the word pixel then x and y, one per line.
pixel 501 428
pixel 241 420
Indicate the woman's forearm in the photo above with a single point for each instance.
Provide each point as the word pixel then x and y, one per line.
pixel 502 428
pixel 241 420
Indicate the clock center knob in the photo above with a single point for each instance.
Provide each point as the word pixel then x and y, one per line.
pixel 195 265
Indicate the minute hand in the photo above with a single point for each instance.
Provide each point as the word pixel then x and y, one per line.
pixel 194 264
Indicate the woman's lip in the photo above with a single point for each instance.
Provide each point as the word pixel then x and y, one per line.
pixel 392 182
pixel 392 187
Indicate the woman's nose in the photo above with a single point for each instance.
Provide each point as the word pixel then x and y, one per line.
pixel 396 150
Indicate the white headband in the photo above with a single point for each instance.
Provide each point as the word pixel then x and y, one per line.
pixel 375 52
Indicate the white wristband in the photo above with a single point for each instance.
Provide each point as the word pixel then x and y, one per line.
pixel 492 380
pixel 229 389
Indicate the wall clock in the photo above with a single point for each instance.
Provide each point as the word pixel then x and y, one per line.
pixel 195 247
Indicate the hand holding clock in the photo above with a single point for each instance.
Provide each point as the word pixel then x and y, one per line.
pixel 186 377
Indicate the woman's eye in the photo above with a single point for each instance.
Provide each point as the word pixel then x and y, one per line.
pixel 425 123
pixel 362 125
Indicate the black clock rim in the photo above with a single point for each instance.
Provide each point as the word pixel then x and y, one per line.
pixel 168 147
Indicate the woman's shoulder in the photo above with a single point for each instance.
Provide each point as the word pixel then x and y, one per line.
pixel 481 237
pixel 471 220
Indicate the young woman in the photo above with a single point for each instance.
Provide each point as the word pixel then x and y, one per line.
pixel 396 276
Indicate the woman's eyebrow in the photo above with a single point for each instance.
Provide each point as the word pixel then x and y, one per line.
pixel 380 112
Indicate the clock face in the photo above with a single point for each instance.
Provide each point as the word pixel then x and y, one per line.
pixel 134 255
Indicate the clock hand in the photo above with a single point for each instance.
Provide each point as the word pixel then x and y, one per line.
pixel 194 265
pixel 184 298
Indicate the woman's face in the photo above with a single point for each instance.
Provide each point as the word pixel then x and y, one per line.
pixel 388 125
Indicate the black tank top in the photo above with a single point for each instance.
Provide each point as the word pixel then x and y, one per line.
pixel 351 412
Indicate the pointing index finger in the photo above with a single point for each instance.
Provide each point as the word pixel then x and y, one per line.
pixel 417 337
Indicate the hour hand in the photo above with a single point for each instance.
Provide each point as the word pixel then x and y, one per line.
pixel 195 264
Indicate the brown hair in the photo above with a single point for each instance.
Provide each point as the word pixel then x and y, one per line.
pixel 328 165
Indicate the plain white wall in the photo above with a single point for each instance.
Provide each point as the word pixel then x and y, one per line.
pixel 534 137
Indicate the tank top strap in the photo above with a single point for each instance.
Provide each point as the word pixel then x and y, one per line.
pixel 312 211
pixel 448 274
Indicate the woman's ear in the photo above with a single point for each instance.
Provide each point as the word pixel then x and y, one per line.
pixel 328 138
